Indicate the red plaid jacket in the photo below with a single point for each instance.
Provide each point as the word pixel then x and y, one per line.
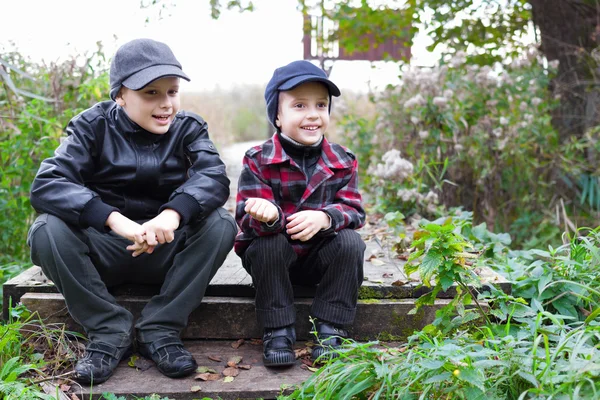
pixel 269 173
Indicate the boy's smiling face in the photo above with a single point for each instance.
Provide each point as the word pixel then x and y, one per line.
pixel 304 112
pixel 154 106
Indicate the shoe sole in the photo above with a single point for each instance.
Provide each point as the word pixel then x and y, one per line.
pixel 279 360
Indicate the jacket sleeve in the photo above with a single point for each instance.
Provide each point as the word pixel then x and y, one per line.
pixel 346 211
pixel 59 186
pixel 253 184
pixel 207 186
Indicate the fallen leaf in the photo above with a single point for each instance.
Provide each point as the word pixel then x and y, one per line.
pixel 74 396
pixel 195 389
pixel 233 361
pixel 398 283
pixel 387 275
pixel 237 343
pixel 303 352
pixel 231 371
pixel 215 358
pixel 65 388
pixel 244 366
pixel 312 369
pixel 208 377
pixel 256 342
pixel 202 370
pixel 376 281
pixel 132 361
pixel 306 361
pixel 377 262
pixel 228 379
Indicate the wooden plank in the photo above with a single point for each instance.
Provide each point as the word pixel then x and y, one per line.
pixel 257 382
pixel 235 318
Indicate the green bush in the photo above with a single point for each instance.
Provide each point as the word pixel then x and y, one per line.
pixel 36 102
pixel 480 138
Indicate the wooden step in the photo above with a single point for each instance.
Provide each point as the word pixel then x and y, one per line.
pixel 234 317
pixel 258 382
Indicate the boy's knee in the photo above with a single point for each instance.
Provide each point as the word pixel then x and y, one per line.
pixel 276 242
pixel 350 241
pixel 46 230
pixel 221 222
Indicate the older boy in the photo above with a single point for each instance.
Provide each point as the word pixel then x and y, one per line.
pixel 297 206
pixel 133 194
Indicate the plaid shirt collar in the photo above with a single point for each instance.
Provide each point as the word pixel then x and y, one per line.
pixel 332 157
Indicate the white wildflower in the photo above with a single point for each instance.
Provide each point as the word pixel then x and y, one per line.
pixel 394 167
pixel 416 100
pixel 414 120
pixel 458 147
pixel 536 101
pixel 448 93
pixel 528 117
pixel 431 197
pixel 553 64
pixel 440 101
pixel 523 106
pixel 423 134
pixel 503 121
pixel 497 132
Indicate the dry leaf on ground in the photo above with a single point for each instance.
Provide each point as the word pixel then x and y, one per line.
pixel 203 370
pixel 228 379
pixel 208 377
pixel 231 371
pixel 244 366
pixel 237 343
pixel 303 352
pixel 215 358
pixel 233 361
pixel 195 389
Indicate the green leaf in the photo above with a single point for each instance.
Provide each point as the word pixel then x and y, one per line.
pixel 432 260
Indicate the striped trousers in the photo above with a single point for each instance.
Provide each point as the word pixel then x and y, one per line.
pixel 335 264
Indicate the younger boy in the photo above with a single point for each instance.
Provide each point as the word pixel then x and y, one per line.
pixel 297 206
pixel 133 194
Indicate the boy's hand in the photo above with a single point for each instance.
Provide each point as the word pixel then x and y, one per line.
pixel 304 225
pixel 124 227
pixel 131 230
pixel 161 229
pixel 261 209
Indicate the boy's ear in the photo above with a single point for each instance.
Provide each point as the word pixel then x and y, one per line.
pixel 119 98
pixel 278 123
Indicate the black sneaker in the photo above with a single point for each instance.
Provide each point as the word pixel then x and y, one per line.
pixel 170 357
pixel 277 346
pixel 329 338
pixel 99 362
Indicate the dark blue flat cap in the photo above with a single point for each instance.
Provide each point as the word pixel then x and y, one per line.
pixel 140 62
pixel 290 76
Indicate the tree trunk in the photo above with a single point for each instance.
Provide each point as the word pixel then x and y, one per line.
pixel 570 32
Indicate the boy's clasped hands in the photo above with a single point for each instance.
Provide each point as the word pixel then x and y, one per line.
pixel 302 225
pixel 146 236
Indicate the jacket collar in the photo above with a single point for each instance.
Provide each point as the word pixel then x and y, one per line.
pixel 126 126
pixel 332 155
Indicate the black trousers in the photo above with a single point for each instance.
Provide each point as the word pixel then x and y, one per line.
pixel 335 263
pixel 82 263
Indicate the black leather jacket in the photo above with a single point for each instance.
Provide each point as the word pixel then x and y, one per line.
pixel 108 163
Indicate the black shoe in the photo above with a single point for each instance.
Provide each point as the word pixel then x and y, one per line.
pixel 329 338
pixel 99 362
pixel 277 346
pixel 171 358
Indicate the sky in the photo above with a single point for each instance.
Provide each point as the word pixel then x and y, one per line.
pixel 234 50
